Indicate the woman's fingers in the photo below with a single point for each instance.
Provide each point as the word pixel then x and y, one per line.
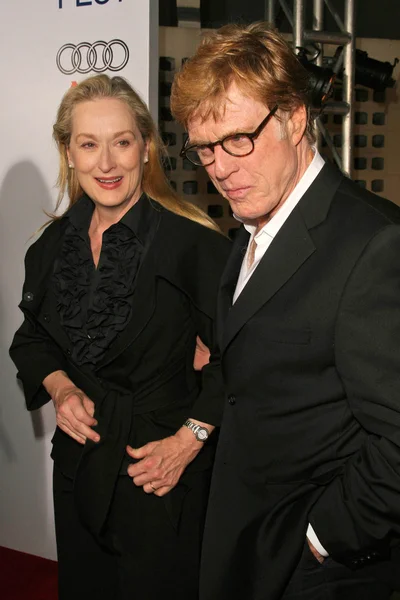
pixel 73 415
pixel 72 434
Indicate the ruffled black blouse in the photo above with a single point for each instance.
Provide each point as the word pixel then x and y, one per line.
pixel 94 304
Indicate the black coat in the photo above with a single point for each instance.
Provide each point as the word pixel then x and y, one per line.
pixel 311 426
pixel 145 385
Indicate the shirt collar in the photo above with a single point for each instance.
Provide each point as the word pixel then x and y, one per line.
pixel 273 226
pixel 138 219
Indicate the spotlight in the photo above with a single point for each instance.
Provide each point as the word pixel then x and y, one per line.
pixel 372 73
pixel 321 80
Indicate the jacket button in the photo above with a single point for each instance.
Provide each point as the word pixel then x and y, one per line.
pixel 68 352
pixel 231 399
pixel 28 296
pixel 46 318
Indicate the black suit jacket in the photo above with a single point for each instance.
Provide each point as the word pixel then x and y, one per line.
pixel 145 385
pixel 311 426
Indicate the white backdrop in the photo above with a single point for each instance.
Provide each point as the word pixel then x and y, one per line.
pixel 32 32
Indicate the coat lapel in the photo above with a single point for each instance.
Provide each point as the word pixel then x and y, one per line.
pixel 291 247
pixel 230 277
pixel 287 252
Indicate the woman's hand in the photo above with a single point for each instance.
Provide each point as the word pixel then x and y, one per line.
pixel 74 410
pixel 201 355
pixel 162 462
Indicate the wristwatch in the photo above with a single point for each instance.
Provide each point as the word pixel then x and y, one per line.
pixel 201 433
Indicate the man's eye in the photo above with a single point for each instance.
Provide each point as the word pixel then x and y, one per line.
pixel 203 150
pixel 238 139
pixel 123 143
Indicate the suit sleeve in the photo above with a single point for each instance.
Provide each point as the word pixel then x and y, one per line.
pixel 359 511
pixel 34 354
pixel 209 404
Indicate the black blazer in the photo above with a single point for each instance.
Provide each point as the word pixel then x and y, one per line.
pixel 145 385
pixel 311 426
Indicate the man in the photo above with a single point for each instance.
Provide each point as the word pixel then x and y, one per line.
pixel 305 499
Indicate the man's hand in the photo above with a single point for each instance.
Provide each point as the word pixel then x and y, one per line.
pixel 315 552
pixel 162 462
pixel 74 410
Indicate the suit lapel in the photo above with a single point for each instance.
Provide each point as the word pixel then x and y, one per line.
pixel 288 251
pixel 291 247
pixel 229 278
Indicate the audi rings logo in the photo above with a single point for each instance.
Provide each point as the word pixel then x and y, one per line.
pixel 98 57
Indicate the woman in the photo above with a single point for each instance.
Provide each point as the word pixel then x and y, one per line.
pixel 116 292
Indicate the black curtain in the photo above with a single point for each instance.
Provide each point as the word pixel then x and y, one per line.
pixel 379 19
pixel 168 14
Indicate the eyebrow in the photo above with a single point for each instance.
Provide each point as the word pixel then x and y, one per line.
pixel 116 135
pixel 232 132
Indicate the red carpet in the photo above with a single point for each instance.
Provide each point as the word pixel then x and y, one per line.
pixel 26 577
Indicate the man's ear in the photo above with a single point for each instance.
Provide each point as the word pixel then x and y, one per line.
pixel 297 124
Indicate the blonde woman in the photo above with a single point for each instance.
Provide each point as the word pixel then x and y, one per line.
pixel 117 291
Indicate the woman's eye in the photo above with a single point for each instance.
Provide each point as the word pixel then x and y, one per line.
pixel 87 145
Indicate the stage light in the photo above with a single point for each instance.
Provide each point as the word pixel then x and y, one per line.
pixel 321 80
pixel 372 73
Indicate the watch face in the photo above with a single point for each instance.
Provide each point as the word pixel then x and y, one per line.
pixel 202 435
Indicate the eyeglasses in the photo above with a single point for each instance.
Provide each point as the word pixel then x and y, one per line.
pixel 237 144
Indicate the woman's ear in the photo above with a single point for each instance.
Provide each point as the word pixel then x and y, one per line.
pixel 146 152
pixel 70 163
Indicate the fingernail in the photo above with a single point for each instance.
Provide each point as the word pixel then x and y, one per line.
pixel 97 438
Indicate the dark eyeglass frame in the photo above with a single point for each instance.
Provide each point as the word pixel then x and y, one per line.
pixel 251 136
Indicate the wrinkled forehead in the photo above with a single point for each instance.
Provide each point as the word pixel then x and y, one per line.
pixel 231 111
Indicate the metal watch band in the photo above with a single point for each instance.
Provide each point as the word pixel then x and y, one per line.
pixel 201 433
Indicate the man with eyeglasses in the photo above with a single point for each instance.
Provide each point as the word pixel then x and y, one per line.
pixel 305 497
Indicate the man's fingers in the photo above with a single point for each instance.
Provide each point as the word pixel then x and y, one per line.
pixel 89 406
pixel 162 491
pixel 145 477
pixel 139 453
pixel 154 487
pixel 147 467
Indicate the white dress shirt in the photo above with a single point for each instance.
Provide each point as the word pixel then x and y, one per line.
pixel 263 239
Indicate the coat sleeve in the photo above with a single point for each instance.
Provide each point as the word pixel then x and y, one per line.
pixel 33 351
pixel 358 513
pixel 209 404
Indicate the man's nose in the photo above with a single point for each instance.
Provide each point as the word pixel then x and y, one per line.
pixel 225 164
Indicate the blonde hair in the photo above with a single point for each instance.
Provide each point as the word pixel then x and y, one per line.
pixel 154 183
pixel 256 58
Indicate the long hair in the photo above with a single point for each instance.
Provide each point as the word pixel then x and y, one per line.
pixel 154 183
pixel 256 58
